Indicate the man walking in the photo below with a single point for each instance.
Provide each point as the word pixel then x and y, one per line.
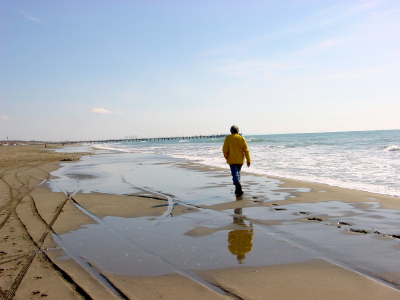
pixel 235 150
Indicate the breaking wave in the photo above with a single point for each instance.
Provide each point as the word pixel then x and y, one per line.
pixel 392 148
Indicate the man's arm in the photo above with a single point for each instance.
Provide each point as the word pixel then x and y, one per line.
pixel 247 153
pixel 225 149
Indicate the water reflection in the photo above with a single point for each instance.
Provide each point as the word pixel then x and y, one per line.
pixel 240 241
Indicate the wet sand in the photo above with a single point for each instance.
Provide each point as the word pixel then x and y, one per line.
pixel 137 226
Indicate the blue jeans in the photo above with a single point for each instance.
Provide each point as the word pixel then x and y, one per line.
pixel 235 170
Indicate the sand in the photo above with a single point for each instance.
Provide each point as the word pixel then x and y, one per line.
pixel 36 261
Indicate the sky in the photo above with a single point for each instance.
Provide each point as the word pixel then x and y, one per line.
pixel 89 70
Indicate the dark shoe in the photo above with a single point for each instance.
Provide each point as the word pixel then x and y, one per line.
pixel 238 191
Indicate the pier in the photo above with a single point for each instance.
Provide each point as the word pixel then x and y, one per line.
pixel 213 136
pixel 126 139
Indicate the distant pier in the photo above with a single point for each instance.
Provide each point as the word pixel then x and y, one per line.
pixel 155 139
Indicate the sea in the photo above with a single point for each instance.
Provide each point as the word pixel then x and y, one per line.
pixel 360 160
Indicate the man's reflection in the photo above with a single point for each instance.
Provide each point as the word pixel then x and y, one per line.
pixel 240 241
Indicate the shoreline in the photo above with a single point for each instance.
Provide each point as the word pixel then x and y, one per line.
pixel 338 183
pixel 44 213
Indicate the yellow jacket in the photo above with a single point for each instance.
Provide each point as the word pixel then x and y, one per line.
pixel 235 149
pixel 240 242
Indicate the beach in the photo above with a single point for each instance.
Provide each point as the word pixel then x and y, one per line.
pixel 103 224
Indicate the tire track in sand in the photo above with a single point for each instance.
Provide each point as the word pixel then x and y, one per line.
pixel 18 188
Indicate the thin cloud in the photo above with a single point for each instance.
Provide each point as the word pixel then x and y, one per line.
pixel 333 44
pixel 29 17
pixel 383 70
pixel 105 111
pixel 101 111
pixel 255 68
pixel 334 15
pixel 5 118
pixel 337 41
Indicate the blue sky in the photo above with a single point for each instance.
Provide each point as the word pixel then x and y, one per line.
pixel 73 70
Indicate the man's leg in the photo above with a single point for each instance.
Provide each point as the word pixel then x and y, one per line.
pixel 235 171
pixel 239 168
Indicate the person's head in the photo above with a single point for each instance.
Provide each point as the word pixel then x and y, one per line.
pixel 234 129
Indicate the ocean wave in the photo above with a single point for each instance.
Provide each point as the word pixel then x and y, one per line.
pixel 214 140
pixel 336 161
pixel 103 147
pixel 392 148
pixel 254 140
